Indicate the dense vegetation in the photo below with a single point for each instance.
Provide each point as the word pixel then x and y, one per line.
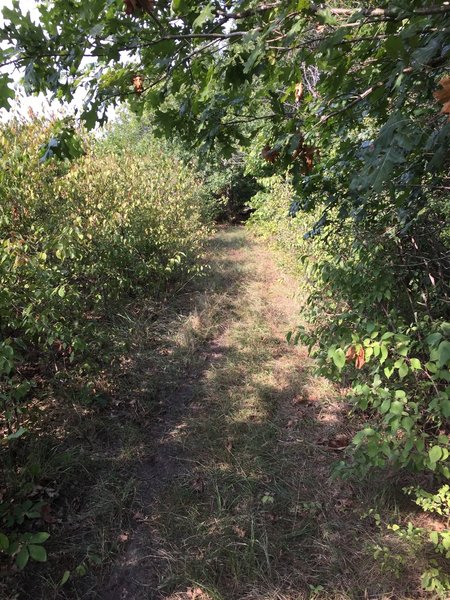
pixel 342 112
pixel 78 240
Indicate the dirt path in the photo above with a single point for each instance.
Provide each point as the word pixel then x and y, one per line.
pixel 234 498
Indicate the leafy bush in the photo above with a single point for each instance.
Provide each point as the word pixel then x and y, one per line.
pixel 76 239
pixel 227 185
pixel 378 320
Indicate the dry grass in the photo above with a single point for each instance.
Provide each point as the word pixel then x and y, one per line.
pixel 208 473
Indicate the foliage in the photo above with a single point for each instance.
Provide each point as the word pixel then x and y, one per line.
pixel 377 321
pixel 435 577
pixel 271 218
pixel 344 100
pixel 77 239
pixel 227 182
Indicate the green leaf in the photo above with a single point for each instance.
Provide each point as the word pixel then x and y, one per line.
pixel 394 46
pixel 177 5
pixel 205 16
pixel 339 358
pixel 435 454
pixel 434 537
pixel 17 434
pixel 445 408
pixel 407 423
pixel 415 363
pixel 89 118
pixel 64 578
pixel 325 16
pixel 433 338
pixel 388 371
pixel 431 366
pixel 81 570
pixel 384 353
pixel 39 538
pixel 403 370
pixel 385 406
pixel 443 353
pixel 6 93
pixel 22 558
pixel 252 60
pixel 37 553
pixel 387 335
pixel 396 408
pixel 4 542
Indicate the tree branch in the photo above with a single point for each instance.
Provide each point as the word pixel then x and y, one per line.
pixel 358 99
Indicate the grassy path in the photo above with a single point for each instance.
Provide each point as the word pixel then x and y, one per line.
pixel 235 498
pixel 211 478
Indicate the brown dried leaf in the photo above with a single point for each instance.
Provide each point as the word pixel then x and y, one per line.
pixel 195 594
pixel 298 400
pixel 343 504
pixel 269 154
pixel 239 531
pixel 339 441
pixel 271 516
pixel 446 109
pixel 130 6
pixel 360 359
pixel 46 514
pixel 145 5
pixel 443 95
pixel 350 354
pixel 138 82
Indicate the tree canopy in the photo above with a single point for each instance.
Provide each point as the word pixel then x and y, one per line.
pixel 296 77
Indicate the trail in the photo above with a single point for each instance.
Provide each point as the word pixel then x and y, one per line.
pixel 234 496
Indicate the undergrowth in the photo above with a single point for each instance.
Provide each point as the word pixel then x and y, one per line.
pixel 376 321
pixel 80 240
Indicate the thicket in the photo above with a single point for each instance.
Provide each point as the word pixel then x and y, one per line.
pixel 378 321
pixel 78 239
pixel 350 101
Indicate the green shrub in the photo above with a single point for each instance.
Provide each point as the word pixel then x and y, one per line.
pixel 377 319
pixel 77 239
